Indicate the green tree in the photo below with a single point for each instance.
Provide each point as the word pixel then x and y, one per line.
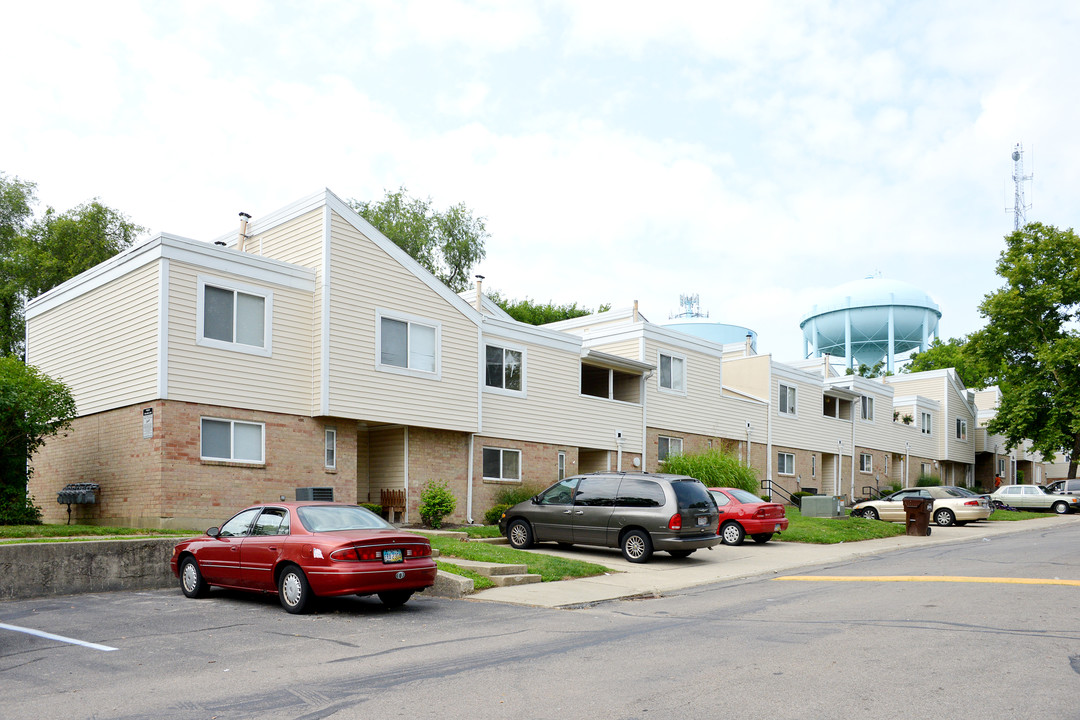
pixel 535 313
pixel 867 371
pixel 955 354
pixel 33 407
pixel 37 255
pixel 447 243
pixel 1032 342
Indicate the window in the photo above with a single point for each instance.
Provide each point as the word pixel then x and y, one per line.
pixel 866 463
pixel 636 492
pixel 668 446
pixel 597 491
pixel 239 524
pixel 1001 467
pixel 330 445
pixel 407 344
pixel 787 399
pixel 672 373
pixel 924 468
pixel 924 423
pixel 561 493
pixel 785 463
pixel 867 408
pixel 562 465
pixel 272 521
pixel 813 466
pixel 232 440
pixel 231 316
pixel 961 429
pixel 504 369
pixel 500 464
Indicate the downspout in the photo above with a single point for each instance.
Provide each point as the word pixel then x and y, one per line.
pixel 852 496
pixel 645 418
pixel 468 489
pixel 406 473
pixel 950 427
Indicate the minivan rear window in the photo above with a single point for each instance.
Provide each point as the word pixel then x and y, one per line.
pixel 635 492
pixel 692 495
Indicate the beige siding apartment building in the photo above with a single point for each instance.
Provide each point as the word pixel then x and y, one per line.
pixel 307 355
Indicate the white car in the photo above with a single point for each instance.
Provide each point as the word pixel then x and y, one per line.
pixel 1033 497
pixel 951 506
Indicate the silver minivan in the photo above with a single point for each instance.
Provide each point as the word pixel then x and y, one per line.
pixel 636 512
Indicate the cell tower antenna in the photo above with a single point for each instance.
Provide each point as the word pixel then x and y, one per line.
pixel 1020 205
pixel 691 307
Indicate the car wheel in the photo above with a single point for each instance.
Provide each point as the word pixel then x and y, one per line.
pixel 395 598
pixel 732 533
pixel 191 579
pixel 637 546
pixel 944 517
pixel 870 514
pixel 762 537
pixel 1060 508
pixel 520 535
pixel 293 589
pixel 680 553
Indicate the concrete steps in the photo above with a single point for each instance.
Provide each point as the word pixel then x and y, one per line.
pixel 500 574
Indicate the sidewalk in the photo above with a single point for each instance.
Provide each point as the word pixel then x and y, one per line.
pixel 664 573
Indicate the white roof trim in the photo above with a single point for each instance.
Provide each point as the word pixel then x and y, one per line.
pixel 523 332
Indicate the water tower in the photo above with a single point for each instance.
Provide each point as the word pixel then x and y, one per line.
pixel 870 320
pixel 692 321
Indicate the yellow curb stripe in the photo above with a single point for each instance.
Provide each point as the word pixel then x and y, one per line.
pixel 930 578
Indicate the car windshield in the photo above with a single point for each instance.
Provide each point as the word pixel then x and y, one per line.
pixel 692 495
pixel 328 518
pixel 744 497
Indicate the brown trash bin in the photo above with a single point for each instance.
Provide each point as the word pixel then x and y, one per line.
pixel 918 512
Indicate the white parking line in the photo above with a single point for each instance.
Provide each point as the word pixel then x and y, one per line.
pixel 58 638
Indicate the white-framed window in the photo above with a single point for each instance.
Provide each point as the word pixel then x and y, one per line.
pixel 330 447
pixel 562 465
pixel 787 404
pixel 234 316
pixel 666 446
pixel 504 369
pixel 407 344
pixel 232 440
pixel 672 373
pixel 866 462
pixel 813 466
pixel 961 429
pixel 924 468
pixel 785 463
pixel 925 423
pixel 1001 467
pixel 502 464
pixel 867 408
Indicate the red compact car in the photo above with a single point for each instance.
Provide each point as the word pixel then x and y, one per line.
pixel 743 513
pixel 304 549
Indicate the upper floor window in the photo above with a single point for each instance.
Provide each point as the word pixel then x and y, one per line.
pixel 867 408
pixel 961 429
pixel 232 316
pixel 407 344
pixel 787 399
pixel 666 446
pixel 924 423
pixel 504 368
pixel 672 373
pixel 232 440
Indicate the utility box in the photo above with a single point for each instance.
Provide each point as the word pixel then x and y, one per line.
pixel 822 506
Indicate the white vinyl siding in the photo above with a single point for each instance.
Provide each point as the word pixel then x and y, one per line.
pixel 232 440
pixel 502 464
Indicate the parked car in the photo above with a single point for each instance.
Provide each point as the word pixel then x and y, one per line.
pixel 1033 497
pixel 637 512
pixel 301 550
pixel 743 513
pixel 1064 487
pixel 952 506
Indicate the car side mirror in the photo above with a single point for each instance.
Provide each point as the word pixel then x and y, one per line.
pixel 213 532
pixel 535 499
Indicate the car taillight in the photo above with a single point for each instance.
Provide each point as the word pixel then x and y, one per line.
pixel 972 502
pixel 675 523
pixel 421 551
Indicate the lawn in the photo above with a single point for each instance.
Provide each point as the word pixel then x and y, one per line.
pixel 61 533
pixel 828 531
pixel 548 567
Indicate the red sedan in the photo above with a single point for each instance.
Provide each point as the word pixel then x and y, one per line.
pixel 743 513
pixel 300 550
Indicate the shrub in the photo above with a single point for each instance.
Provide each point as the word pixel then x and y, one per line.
pixel 714 468
pixel 18 508
pixel 436 502
pixel 927 481
pixel 507 497
pixel 796 497
pixel 373 507
pixel 493 515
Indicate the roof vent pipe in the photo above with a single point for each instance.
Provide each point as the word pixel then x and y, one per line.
pixel 479 293
pixel 749 339
pixel 637 317
pixel 244 217
pixel 825 365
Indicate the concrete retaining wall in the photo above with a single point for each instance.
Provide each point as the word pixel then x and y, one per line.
pixel 42 569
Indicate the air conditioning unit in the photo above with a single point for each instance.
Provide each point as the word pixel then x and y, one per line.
pixel 324 494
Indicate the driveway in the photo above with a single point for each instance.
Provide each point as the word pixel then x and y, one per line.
pixel 664 573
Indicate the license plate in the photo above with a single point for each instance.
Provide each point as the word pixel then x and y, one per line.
pixel 391 556
pixel 776 528
pixel 702 520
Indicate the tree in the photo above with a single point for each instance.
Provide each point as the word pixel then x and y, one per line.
pixel 954 354
pixel 33 407
pixel 535 313
pixel 1032 342
pixel 447 243
pixel 867 371
pixel 37 255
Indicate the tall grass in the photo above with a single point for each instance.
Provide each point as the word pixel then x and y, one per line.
pixel 715 469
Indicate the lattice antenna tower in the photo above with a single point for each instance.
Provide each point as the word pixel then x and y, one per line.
pixel 690 307
pixel 1020 204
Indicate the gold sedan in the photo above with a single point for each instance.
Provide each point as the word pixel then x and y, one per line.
pixel 952 506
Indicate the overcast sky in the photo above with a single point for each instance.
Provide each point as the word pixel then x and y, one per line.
pixel 757 154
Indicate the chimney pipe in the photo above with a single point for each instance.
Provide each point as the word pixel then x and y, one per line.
pixel 749 338
pixel 479 293
pixel 240 242
pixel 637 317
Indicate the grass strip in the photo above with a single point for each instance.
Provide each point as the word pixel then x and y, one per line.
pixel 548 567
pixel 480 582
